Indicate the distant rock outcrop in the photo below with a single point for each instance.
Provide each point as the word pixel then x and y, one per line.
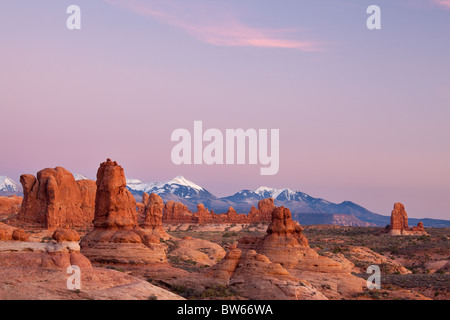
pixel 399 223
pixel 177 213
pixel 54 199
pixel 116 236
pixel 10 205
pixel 153 215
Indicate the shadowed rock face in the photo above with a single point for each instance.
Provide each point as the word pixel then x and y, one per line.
pixel 54 199
pixel 116 236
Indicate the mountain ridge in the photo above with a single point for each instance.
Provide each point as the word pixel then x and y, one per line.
pixel 301 204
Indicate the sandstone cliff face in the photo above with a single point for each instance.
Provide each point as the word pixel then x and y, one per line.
pixel 10 205
pixel 54 199
pixel 399 223
pixel 116 236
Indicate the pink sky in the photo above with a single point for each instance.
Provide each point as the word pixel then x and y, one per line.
pixel 363 116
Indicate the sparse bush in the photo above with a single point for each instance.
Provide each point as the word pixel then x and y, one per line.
pixel 229 234
pixel 218 291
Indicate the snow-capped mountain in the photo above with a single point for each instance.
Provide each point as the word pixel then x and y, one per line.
pixel 9 185
pixel 303 207
pixel 78 176
pixel 284 194
pixel 178 186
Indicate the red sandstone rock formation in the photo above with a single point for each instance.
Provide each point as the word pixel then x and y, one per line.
pixel 399 218
pixel 10 205
pixel 176 212
pixel 266 208
pixel 254 276
pixel 27 275
pixel 283 230
pixel 419 228
pixel 282 266
pixel 224 270
pixel 116 236
pixel 114 204
pixel 202 252
pixel 286 244
pixel 153 215
pixel 54 199
pixel 399 223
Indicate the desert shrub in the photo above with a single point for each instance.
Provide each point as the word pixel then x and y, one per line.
pixel 115 268
pixel 229 234
pixel 189 261
pixel 174 259
pixel 171 244
pixel 218 291
pixel 183 291
pixel 337 250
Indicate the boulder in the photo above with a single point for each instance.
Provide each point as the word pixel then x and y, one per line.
pixel 9 233
pixel 66 235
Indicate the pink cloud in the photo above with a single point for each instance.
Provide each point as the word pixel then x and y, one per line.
pixel 215 25
pixel 444 3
